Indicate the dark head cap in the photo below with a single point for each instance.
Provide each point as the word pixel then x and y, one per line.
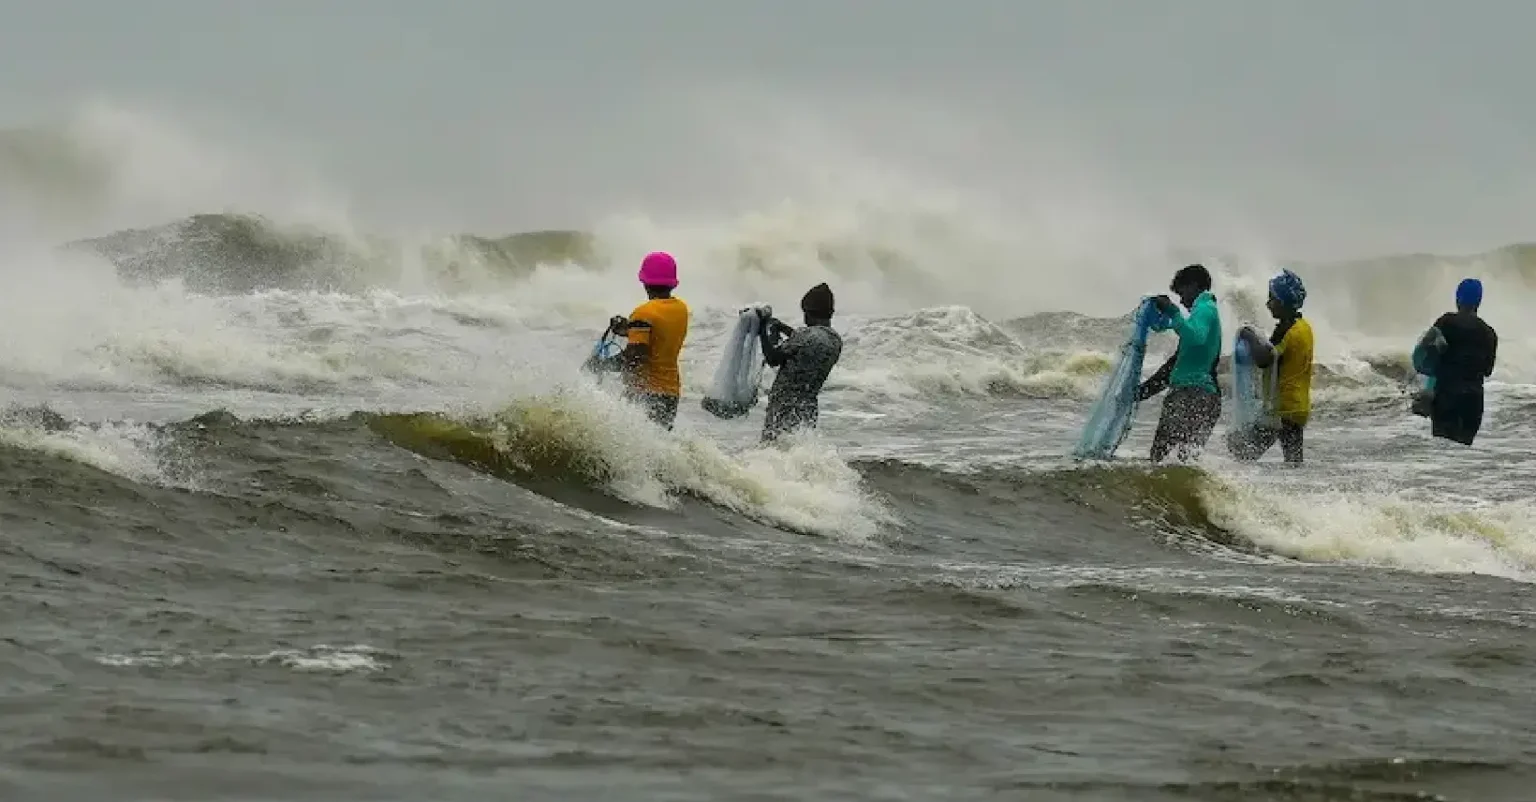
pixel 818 301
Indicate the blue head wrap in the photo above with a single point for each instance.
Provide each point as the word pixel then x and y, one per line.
pixel 1288 289
pixel 1469 292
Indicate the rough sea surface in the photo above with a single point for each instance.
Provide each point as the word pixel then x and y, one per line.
pixel 288 518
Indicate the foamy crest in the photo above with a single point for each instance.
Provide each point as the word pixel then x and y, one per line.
pixel 1383 529
pixel 805 487
pixel 130 450
pixel 950 351
pixel 140 338
pixel 315 659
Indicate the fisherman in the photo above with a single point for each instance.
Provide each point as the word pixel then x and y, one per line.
pixel 1289 387
pixel 1194 403
pixel 1468 348
pixel 804 359
pixel 655 332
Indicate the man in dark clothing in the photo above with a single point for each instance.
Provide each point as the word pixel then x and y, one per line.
pixel 1470 348
pixel 804 359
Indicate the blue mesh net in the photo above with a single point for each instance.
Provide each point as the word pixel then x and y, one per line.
pixel 1109 421
pixel 1250 398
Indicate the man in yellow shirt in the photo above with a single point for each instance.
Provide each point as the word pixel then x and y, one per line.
pixel 1289 386
pixel 655 332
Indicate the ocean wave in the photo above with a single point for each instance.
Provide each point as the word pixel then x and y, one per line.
pixel 241 253
pixel 87 332
pixel 573 444
pixel 940 349
pixel 1234 518
pixel 134 451
pixel 889 248
pixel 586 439
pixel 580 445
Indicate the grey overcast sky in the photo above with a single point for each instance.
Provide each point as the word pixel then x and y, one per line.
pixel 1323 127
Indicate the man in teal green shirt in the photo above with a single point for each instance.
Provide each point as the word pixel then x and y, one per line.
pixel 1194 403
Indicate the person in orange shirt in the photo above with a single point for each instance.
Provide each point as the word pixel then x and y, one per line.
pixel 655 332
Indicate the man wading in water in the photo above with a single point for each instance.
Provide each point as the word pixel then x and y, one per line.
pixel 1193 403
pixel 804 359
pixel 1289 386
pixel 1468 349
pixel 656 331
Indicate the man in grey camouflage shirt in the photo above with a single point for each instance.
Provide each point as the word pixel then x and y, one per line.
pixel 804 358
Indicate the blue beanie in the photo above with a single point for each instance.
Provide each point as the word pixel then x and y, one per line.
pixel 1288 289
pixel 1469 292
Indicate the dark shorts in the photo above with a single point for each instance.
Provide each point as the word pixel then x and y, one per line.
pixel 1456 415
pixel 661 408
pixel 1251 444
pixel 1189 415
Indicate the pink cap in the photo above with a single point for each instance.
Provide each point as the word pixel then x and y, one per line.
pixel 659 269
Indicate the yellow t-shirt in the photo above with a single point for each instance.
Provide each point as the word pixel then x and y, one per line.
pixel 662 325
pixel 1293 395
